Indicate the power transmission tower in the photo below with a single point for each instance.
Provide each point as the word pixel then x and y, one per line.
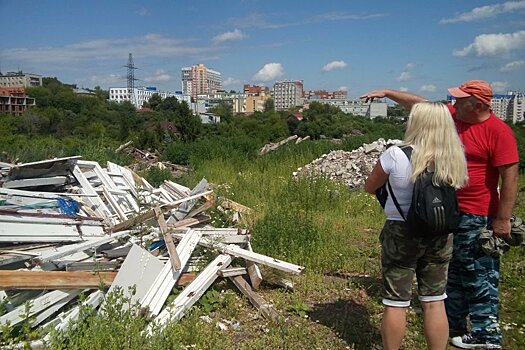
pixel 131 81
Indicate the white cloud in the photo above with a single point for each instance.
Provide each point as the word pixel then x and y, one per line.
pixel 160 75
pixel 493 44
pixel 260 21
pixel 343 88
pixel 269 72
pixel 404 89
pixel 427 88
pixel 142 12
pixel 488 11
pixel 334 65
pixel 229 36
pixel 110 79
pixel 404 76
pixel 149 45
pixel 499 86
pixel 230 82
pixel 512 66
pixel 410 66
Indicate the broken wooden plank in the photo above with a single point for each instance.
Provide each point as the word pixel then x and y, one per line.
pixel 254 298
pixel 188 222
pixel 254 272
pixel 168 239
pixel 92 265
pixel 19 279
pixel 229 204
pixel 232 272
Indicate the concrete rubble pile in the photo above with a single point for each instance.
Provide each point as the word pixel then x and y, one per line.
pixel 68 226
pixel 350 168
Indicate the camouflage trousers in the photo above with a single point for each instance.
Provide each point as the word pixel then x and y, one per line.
pixel 472 286
pixel 405 255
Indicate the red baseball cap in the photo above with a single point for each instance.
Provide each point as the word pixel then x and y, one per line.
pixel 477 88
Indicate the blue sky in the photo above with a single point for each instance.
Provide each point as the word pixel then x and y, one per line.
pixel 423 47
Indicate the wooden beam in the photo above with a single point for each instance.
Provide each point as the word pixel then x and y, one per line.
pixel 16 279
pixel 254 272
pixel 168 239
pixel 254 298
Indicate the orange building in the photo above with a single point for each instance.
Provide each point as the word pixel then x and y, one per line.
pixel 14 100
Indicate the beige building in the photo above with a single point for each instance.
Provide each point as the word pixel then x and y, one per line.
pixel 256 103
pixel 19 79
pixel 200 80
pixel 256 96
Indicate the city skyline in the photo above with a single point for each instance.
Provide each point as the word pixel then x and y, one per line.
pixel 357 46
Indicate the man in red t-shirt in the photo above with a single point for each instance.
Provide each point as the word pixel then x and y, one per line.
pixel 491 152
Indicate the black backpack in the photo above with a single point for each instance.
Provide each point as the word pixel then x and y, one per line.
pixel 433 210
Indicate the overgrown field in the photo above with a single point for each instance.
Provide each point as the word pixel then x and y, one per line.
pixel 309 221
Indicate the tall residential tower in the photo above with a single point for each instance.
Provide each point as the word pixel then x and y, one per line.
pixel 198 79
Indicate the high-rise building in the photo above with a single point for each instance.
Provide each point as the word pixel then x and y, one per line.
pixel 198 80
pixel 288 94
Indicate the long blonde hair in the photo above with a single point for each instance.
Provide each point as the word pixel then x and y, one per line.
pixel 431 130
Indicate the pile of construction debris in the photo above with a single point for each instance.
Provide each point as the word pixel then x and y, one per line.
pixel 145 160
pixel 269 147
pixel 68 225
pixel 350 168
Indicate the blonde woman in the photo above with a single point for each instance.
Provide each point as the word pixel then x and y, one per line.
pixel 436 146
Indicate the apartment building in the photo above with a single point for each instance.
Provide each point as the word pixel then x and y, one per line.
pixel 198 80
pixel 14 100
pixel 256 97
pixel 203 102
pixel 17 79
pixel 377 108
pixel 288 94
pixel 141 95
pixel 325 95
pixel 508 107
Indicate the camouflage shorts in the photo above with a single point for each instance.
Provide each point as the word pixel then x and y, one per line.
pixel 404 255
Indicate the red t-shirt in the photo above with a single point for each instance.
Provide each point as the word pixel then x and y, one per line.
pixel 488 145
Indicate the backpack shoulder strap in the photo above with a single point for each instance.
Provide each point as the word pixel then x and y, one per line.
pixel 396 203
pixel 407 150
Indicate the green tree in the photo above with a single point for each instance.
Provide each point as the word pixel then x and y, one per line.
pixel 224 109
pixel 154 101
pixel 269 105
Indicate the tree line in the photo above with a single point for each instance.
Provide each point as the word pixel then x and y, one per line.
pixel 61 114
